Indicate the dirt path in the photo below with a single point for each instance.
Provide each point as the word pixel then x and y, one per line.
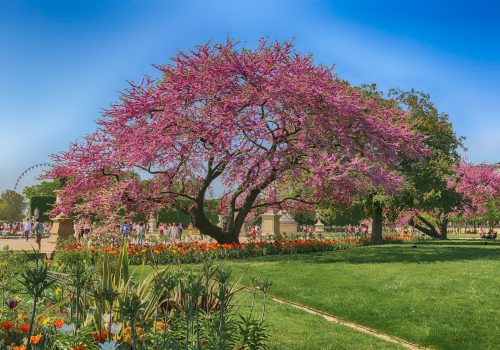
pixel 357 327
pixel 21 244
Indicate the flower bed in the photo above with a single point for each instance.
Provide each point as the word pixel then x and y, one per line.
pixel 399 238
pixel 195 252
pixel 81 306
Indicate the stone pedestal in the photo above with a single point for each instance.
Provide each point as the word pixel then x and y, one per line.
pixel 270 224
pixel 62 228
pixel 287 224
pixel 153 224
pixel 319 227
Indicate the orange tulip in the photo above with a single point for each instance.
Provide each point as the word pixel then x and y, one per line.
pixel 100 337
pixel 6 325
pixel 24 328
pixel 35 339
pixel 58 323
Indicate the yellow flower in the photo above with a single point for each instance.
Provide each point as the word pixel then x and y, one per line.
pixel 44 322
pixel 127 336
pixel 84 261
pixel 18 298
pixel 58 291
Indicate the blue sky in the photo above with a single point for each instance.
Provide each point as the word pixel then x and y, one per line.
pixel 61 62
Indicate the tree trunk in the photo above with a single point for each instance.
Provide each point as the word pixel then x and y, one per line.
pixel 201 222
pixel 443 227
pixel 428 229
pixel 231 231
pixel 376 237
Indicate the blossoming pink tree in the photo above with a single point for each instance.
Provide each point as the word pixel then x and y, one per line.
pixel 241 121
pixel 479 185
pixel 474 189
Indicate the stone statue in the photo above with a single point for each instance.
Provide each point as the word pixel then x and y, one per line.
pixel 319 227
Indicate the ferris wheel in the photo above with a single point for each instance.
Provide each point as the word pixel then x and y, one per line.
pixel 31 168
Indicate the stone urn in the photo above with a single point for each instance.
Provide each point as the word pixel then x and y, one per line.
pixel 62 225
pixel 319 227
pixel 62 228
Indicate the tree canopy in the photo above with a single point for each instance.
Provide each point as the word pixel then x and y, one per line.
pixel 11 206
pixel 44 188
pixel 246 120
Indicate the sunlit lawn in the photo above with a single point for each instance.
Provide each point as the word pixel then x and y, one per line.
pixel 443 295
pixel 295 329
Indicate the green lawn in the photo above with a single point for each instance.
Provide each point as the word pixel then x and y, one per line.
pixel 462 235
pixel 440 294
pixel 294 329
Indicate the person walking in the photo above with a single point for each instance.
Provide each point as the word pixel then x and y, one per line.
pixel 39 229
pixel 172 231
pixel 140 233
pixel 179 231
pixel 253 233
pixel 27 229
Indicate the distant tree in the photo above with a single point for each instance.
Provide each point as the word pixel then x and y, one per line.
pixel 43 189
pixel 427 192
pixel 425 198
pixel 344 214
pixel 479 186
pixel 11 206
pixel 45 204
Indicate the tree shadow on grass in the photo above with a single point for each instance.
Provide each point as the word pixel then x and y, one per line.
pixel 407 253
pixel 464 243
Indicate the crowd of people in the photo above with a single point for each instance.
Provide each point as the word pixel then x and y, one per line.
pixel 172 230
pixel 82 228
pixel 26 229
pixel 133 232
pixel 136 232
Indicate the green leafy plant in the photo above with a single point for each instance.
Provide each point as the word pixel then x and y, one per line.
pixel 35 280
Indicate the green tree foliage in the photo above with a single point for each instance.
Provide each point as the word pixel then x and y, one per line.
pixel 170 215
pixel 11 206
pixel 44 204
pixel 45 188
pixel 425 191
pixel 344 214
pixel 489 218
pixel 426 188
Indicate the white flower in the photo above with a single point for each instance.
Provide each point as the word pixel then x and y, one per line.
pixel 67 328
pixel 106 317
pixel 116 328
pixel 109 345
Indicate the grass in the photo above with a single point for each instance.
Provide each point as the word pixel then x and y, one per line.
pixel 462 235
pixel 438 294
pixel 295 329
